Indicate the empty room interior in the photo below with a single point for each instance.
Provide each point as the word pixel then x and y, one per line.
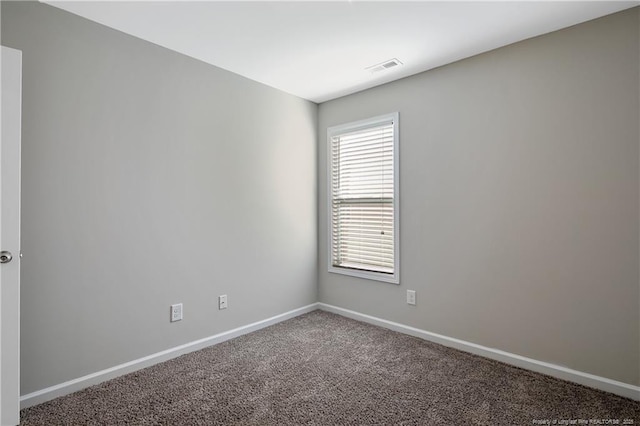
pixel 326 213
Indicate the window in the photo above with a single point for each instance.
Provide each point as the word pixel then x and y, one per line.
pixel 363 198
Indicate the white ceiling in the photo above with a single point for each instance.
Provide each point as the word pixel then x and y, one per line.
pixel 319 50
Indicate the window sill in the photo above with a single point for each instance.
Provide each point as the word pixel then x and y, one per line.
pixel 368 275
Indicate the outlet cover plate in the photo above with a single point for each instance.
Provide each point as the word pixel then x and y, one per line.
pixel 411 297
pixel 176 312
pixel 222 302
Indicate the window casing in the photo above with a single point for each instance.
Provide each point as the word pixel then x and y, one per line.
pixel 363 198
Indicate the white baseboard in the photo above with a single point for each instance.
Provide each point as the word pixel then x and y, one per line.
pixel 564 373
pixel 602 383
pixel 74 385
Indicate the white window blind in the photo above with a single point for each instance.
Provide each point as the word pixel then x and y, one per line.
pixel 363 197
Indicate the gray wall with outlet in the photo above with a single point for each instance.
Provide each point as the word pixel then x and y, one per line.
pixel 518 199
pixel 151 179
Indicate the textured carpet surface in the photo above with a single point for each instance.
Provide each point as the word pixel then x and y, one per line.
pixel 324 369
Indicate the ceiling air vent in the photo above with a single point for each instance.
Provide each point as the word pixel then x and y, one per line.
pixel 391 63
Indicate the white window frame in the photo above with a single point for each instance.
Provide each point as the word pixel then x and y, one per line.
pixel 350 127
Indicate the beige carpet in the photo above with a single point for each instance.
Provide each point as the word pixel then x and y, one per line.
pixel 323 369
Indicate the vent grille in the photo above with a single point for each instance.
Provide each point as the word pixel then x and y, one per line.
pixel 391 63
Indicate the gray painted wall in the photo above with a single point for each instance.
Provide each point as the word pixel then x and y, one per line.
pixel 150 178
pixel 519 199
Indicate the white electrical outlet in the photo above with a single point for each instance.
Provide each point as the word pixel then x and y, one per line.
pixel 222 302
pixel 411 297
pixel 176 312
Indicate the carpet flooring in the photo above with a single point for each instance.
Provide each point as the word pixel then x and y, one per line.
pixel 324 369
